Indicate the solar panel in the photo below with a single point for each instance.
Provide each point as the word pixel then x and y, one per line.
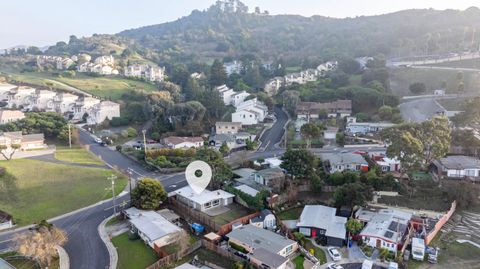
pixel 388 234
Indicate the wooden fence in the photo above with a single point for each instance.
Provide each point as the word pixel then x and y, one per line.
pixel 168 260
pixel 440 223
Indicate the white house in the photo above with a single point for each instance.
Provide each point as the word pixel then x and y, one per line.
pixel 102 111
pixel 227 127
pixel 226 94
pixel 205 200
pixel 148 72
pixel 39 100
pixel 366 127
pixel 273 85
pixel 7 116
pixel 265 220
pixel 177 142
pixel 249 112
pixel 82 106
pixel 239 97
pixel 387 164
pixel 152 228
pixel 246 117
pixel 19 96
pixel 233 67
pixel 26 142
pixel 385 228
pixel 105 60
pixel 62 103
pixel 5 88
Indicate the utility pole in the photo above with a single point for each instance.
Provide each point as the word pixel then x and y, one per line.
pixel 69 136
pixel 144 144
pixel 129 171
pixel 112 178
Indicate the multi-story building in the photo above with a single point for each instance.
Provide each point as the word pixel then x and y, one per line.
pixel 102 111
pixel 39 100
pixel 226 94
pixel 19 96
pixel 7 116
pixel 145 71
pixel 313 110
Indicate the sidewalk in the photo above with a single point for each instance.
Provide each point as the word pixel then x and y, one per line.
pixel 112 251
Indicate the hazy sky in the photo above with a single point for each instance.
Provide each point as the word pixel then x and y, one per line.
pixel 43 22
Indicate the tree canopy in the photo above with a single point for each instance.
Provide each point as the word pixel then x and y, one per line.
pixel 148 194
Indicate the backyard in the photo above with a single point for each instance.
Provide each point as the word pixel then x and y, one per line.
pixel 290 214
pixel 236 211
pixel 133 254
pixel 47 189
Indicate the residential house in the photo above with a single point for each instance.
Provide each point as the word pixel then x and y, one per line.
pixel 62 103
pixel 205 200
pixel 7 116
pixel 39 100
pixel 328 66
pixel 239 97
pixel 105 60
pixel 233 67
pixel 145 71
pixel 339 162
pixel 267 176
pixel 18 97
pixel 6 221
pixel 5 88
pixel 386 164
pixel 177 142
pixel 273 162
pixel 82 106
pixel 265 220
pixel 273 85
pixel 5 265
pixel 152 228
pixel 226 94
pixel 102 111
pixel 363 128
pixel 318 221
pixel 197 75
pixel 456 167
pixel 218 140
pixel 266 248
pixel 26 142
pixel 227 127
pixel 64 63
pixel 250 112
pixel 385 228
pixel 313 110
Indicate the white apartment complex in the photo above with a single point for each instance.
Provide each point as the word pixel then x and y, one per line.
pixel 145 71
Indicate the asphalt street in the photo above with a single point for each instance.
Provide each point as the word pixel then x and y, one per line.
pixel 419 110
pixel 273 136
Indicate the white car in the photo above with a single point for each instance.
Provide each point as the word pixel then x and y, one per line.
pixel 334 254
pixel 334 266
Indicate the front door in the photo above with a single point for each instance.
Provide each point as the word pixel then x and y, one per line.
pixel 379 243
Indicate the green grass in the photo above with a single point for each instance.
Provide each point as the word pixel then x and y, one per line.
pixel 113 221
pixel 236 211
pixel 318 252
pixel 45 190
pixel 76 155
pixel 458 251
pixel 290 214
pixel 172 248
pixel 108 87
pixel 293 69
pixel 133 254
pixel 298 261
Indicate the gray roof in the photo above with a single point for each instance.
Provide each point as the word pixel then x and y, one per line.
pixel 323 217
pixel 459 162
pixel 244 172
pixel 150 223
pixel 260 238
pixel 343 158
pixel 262 216
pixel 33 137
pixel 220 138
pixel 269 258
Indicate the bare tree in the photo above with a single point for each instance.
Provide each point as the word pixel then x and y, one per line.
pixel 13 149
pixel 41 243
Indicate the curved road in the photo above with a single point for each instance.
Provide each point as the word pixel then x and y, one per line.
pixel 84 247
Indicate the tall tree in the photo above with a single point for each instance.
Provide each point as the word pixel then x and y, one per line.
pixel 218 75
pixel 352 194
pixel 418 88
pixel 310 131
pixel 299 163
pixel 148 194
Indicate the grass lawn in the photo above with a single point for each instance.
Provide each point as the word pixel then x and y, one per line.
pixel 290 214
pixel 27 264
pixel 113 221
pixel 318 252
pixel 133 254
pixel 236 211
pixel 108 87
pixel 76 155
pixel 45 190
pixel 458 252
pixel 298 261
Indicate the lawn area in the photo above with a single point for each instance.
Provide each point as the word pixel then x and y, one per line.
pixel 108 87
pixel 172 248
pixel 44 190
pixel 26 263
pixel 290 214
pixel 76 155
pixel 458 252
pixel 318 252
pixel 236 211
pixel 298 261
pixel 133 254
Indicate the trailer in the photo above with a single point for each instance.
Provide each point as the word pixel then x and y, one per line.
pixel 418 249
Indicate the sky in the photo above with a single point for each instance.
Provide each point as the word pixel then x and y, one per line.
pixel 44 22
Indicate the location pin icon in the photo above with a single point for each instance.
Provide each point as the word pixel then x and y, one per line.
pixel 198 175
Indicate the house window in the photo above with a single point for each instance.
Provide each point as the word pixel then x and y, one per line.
pixel 215 202
pixel 289 249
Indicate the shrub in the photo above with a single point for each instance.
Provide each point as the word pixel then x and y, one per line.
pixel 131 132
pixel 238 247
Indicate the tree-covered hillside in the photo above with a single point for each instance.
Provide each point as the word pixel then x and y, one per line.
pixel 221 31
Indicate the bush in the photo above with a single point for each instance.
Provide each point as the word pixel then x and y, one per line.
pixel 119 121
pixel 238 247
pixel 131 132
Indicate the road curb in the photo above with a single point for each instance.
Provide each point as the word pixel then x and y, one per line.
pixel 64 259
pixel 112 251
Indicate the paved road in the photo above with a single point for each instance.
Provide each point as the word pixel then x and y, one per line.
pixel 419 110
pixel 273 136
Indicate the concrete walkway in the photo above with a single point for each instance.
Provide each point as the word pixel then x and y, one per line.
pixel 112 251
pixel 64 260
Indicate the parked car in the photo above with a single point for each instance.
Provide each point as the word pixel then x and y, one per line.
pixel 98 140
pixel 334 266
pixel 334 254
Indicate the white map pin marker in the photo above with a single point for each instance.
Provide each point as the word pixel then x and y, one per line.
pixel 197 182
